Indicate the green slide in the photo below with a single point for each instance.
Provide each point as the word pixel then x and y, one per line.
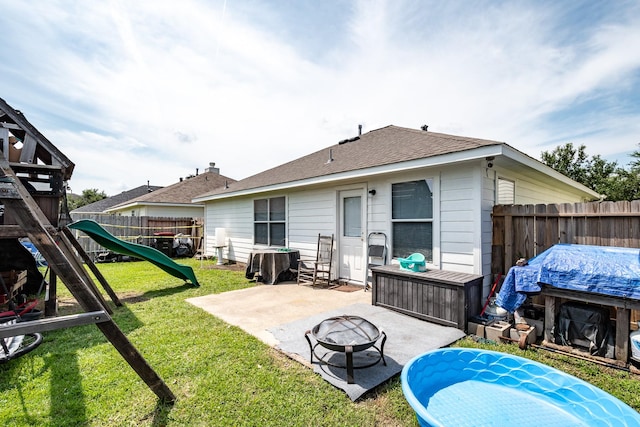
pixel 147 253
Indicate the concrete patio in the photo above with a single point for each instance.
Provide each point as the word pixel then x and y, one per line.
pixel 280 314
pixel 259 308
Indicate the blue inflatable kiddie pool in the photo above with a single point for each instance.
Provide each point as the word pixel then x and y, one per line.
pixel 469 387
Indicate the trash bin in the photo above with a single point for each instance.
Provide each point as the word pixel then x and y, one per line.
pixel 163 242
pixel 586 326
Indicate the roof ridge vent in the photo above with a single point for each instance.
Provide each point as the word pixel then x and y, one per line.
pixel 344 141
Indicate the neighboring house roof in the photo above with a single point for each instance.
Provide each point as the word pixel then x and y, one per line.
pixel 376 152
pixel 180 193
pixel 104 204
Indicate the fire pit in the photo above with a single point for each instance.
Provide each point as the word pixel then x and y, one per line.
pixel 348 335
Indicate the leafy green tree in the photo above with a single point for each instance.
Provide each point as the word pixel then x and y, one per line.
pixel 600 173
pixel 635 164
pixel 88 196
pixel 625 185
pixel 568 160
pixel 596 173
pixel 631 179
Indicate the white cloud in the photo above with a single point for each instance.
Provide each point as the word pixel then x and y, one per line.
pixel 137 91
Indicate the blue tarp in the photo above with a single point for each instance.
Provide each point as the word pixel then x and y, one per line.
pixel 40 261
pixel 605 270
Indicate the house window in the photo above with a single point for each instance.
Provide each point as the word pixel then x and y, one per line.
pixel 412 218
pixel 269 221
pixel 506 192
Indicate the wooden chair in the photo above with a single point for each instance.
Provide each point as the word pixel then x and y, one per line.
pixel 318 270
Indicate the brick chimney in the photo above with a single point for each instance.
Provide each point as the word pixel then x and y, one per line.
pixel 212 168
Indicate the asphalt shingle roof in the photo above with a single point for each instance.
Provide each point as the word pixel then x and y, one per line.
pixel 104 204
pixel 385 146
pixel 185 190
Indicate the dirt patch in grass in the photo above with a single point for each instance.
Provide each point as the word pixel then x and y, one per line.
pixel 229 267
pixel 132 297
pixel 69 305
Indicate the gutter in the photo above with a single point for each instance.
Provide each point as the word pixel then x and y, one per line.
pixel 137 204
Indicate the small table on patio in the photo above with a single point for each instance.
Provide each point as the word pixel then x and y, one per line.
pixel 272 265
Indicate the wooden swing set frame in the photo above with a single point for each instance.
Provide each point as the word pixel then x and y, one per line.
pixel 61 250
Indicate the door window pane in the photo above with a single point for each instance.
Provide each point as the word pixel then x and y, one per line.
pixel 352 217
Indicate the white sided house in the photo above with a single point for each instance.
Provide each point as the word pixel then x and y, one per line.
pixel 429 192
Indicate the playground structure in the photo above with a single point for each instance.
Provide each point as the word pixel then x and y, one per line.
pixel 33 173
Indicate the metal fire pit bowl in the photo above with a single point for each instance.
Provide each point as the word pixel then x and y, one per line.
pixel 346 334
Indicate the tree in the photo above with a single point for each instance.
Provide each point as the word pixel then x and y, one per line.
pixel 568 161
pixel 596 173
pixel 635 165
pixel 88 196
pixel 625 185
pixel 631 179
pixel 600 174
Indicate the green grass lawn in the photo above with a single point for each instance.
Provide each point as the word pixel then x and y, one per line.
pixel 220 375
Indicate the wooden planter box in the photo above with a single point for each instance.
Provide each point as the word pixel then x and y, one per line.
pixel 14 281
pixel 444 297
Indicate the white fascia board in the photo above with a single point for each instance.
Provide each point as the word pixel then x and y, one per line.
pixel 181 205
pixel 139 204
pixel 86 212
pixel 122 207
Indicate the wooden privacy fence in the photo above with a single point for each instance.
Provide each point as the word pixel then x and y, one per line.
pixel 524 231
pixel 140 229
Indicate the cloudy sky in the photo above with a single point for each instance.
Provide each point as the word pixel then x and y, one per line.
pixel 151 90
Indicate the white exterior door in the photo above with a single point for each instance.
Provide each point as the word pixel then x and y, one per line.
pixel 351 239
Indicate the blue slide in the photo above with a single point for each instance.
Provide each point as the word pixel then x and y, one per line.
pixel 147 253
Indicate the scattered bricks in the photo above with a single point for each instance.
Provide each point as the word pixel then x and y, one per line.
pixel 530 335
pixel 497 330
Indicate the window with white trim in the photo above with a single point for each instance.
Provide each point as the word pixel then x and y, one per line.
pixel 412 218
pixel 269 221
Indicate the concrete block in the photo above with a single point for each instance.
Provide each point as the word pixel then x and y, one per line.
pixel 529 333
pixel 539 324
pixel 476 329
pixel 497 330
